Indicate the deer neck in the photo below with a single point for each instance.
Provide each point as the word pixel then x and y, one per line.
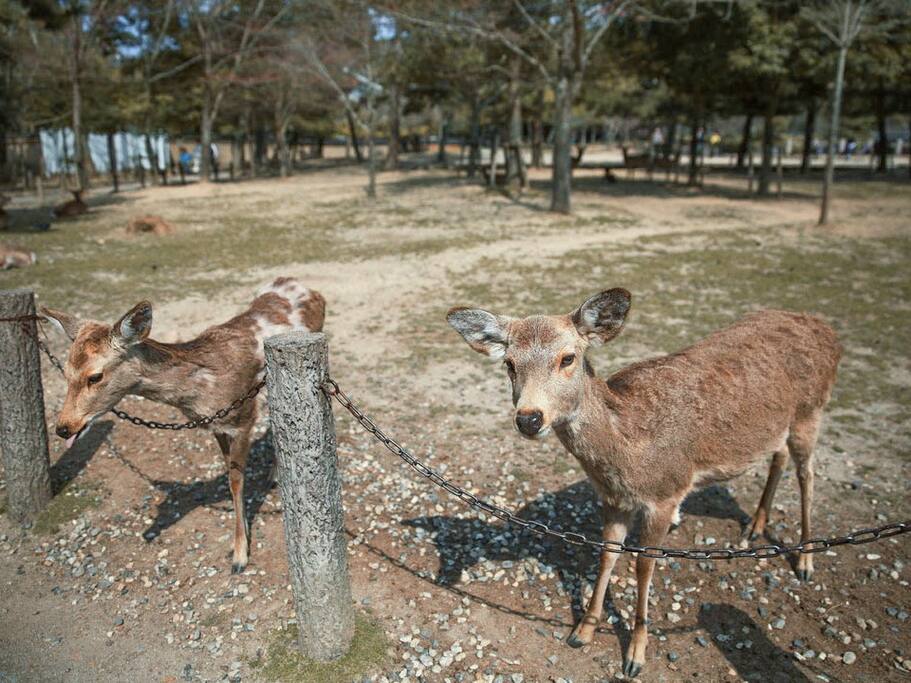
pixel 170 375
pixel 598 430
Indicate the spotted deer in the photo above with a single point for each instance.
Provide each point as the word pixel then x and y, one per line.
pixel 74 207
pixel 198 377
pixel 657 429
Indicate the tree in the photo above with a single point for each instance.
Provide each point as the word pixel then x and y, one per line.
pixel 841 21
pixel 227 34
pixel 566 33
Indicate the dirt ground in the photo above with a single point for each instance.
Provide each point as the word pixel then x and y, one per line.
pixel 128 574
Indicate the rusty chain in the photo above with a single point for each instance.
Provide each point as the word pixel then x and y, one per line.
pixel 122 414
pixel 815 545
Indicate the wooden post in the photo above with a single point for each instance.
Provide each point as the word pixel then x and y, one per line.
pixel 23 431
pixel 303 433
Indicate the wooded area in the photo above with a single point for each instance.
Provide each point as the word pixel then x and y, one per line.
pixel 261 75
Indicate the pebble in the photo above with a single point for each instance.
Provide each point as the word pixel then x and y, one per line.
pixel 849 657
pixel 778 623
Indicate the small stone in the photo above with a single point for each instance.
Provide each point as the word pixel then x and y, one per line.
pixel 672 656
pixel 778 623
pixel 702 641
pixel 849 657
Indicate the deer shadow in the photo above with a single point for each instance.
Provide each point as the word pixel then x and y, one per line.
pixel 74 460
pixel 763 660
pixel 182 498
pixel 464 543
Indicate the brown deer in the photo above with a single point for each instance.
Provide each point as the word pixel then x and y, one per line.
pixel 11 257
pixel 72 208
pixel 655 430
pixel 198 377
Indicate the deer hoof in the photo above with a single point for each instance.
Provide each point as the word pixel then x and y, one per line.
pixel 238 568
pixel 631 669
pixel 575 641
pixel 805 575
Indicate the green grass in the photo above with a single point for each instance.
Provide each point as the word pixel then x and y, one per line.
pixel 369 651
pixel 69 504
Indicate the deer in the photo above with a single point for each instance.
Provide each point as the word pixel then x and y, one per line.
pixel 72 208
pixel 655 430
pixel 12 257
pixel 198 377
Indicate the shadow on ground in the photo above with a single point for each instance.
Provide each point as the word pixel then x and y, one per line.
pixel 182 498
pixel 464 543
pixel 75 459
pixel 762 661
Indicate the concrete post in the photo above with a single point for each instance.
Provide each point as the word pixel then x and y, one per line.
pixel 303 433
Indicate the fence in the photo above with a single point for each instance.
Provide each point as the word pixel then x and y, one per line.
pixel 303 428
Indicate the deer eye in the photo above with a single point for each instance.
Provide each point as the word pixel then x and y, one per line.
pixel 94 379
pixel 567 360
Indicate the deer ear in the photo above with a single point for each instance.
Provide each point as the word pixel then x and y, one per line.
pixel 135 326
pixel 601 318
pixel 485 332
pixel 65 323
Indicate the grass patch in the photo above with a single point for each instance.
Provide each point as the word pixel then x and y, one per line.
pixel 284 663
pixel 69 504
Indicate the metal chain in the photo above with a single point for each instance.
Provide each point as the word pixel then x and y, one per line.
pixel 122 414
pixel 815 545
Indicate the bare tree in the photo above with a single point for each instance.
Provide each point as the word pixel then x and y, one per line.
pixel 228 33
pixel 346 58
pixel 566 33
pixel 841 21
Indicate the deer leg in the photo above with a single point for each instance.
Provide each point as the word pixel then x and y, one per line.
pixel 235 449
pixel 616 523
pixel 801 442
pixel 757 526
pixel 655 524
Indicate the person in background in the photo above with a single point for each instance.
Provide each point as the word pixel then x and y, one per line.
pixel 183 161
pixel 714 143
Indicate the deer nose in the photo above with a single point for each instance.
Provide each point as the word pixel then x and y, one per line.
pixel 63 432
pixel 529 423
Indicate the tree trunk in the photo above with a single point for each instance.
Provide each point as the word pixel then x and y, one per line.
pixel 745 140
pixel 259 149
pixel 205 138
pixel 882 146
pixel 693 176
pixel 561 184
pixel 514 170
pixel 78 140
pixel 809 130
pixel 112 162
pixel 281 141
pixel 371 149
pixel 474 150
pixel 829 176
pixel 395 132
pixel 765 168
pixel 444 130
pixel 352 131
pixel 153 157
pixel 537 133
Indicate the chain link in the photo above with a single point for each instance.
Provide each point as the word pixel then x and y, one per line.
pixel 814 545
pixel 122 414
